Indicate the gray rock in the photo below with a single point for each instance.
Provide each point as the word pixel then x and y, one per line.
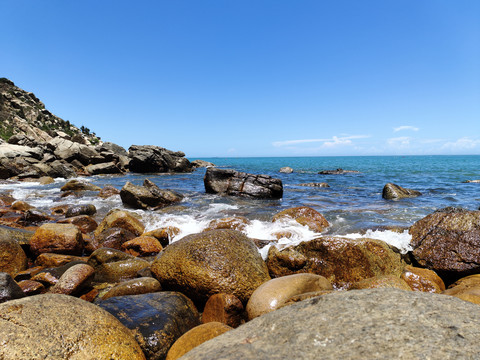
pixel 338 171
pixel 9 289
pixel 322 185
pixel 103 168
pixel 155 159
pixel 68 150
pixel 235 183
pixel 201 164
pixel 359 324
pixel 395 192
pixel 286 170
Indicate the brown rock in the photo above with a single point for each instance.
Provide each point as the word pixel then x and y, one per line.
pixel 60 210
pixel 387 281
pixel 218 261
pixel 148 196
pixel 55 260
pixel 342 261
pixel 395 192
pixel 272 294
pixel 467 288
pixel 62 327
pixel 6 200
pixel 45 180
pixel 73 280
pixel 448 242
pixel 164 235
pixel 420 279
pixel 194 337
pixel 108 191
pixel 111 238
pixel 305 216
pixel 12 257
pixel 142 246
pixel 85 223
pixel 28 273
pixel 76 185
pixel 224 308
pixel 21 206
pixel 233 223
pixel 143 285
pixel 30 287
pixel 45 278
pixel 122 219
pixel 57 238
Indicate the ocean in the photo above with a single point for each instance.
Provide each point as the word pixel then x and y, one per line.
pixel 353 203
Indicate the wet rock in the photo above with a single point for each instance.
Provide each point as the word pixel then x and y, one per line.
pixel 74 280
pixel 22 236
pixel 30 287
pixel 157 320
pixel 224 308
pixel 142 246
pixel 154 159
pixel 77 210
pixel 218 261
pixel 420 279
pixel 164 235
pixel 148 196
pixel 21 206
pixel 28 273
pixel 50 276
pixel 60 210
pixel 76 329
pixel 112 238
pixel 76 185
pixel 12 257
pixel 106 255
pixel 108 191
pixel 85 223
pixel 272 294
pixel 57 238
pixel 122 219
pixel 194 337
pixel 55 260
pixel 448 242
pixel 395 192
pixel 142 285
pixel 467 288
pixel 342 261
pixel 234 183
pixel 387 281
pixel 6 200
pixel 233 223
pixel 286 170
pixel 103 168
pixel 378 323
pixel 315 184
pixel 9 289
pixel 34 216
pixel 304 215
pixel 338 171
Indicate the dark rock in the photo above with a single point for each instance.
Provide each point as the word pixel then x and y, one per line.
pixel 218 261
pixel 322 185
pixel 9 289
pixel 231 182
pixel 154 159
pixel 342 261
pixel 112 238
pixel 76 210
pixel 338 171
pixel 448 242
pixel 375 324
pixel 85 223
pixel 157 320
pixel 62 327
pixel 392 191
pixel 148 196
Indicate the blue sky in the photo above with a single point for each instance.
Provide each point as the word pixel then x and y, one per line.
pixel 253 77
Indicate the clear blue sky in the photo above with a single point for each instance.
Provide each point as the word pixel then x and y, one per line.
pixel 253 77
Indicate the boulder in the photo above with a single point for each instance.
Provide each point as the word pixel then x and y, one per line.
pixel 74 279
pixel 142 285
pixel 315 184
pixel 12 257
pixel 56 326
pixel 85 223
pixel 274 293
pixel 342 261
pixel 217 261
pixel 121 219
pixel 338 171
pixel 233 223
pixel 103 168
pixel 76 185
pixel 55 260
pixel 286 170
pixel 77 210
pixel 57 238
pixel 154 159
pixel 224 308
pixel 386 281
pixel 374 324
pixel 108 191
pixel 201 164
pixel 9 289
pixel 55 169
pixel 68 150
pixel 30 287
pixel 157 320
pixel 448 242
pixel 467 288
pixel 142 246
pixel 148 196
pixel 111 238
pixel 164 235
pixel 420 279
pixel 305 216
pixel 194 337
pixel 396 192
pixel 234 183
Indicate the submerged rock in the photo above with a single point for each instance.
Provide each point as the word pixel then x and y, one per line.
pixel 338 171
pixel 286 170
pixel 395 192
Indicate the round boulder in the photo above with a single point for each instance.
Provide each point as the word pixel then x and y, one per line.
pixel 12 257
pixel 57 238
pixel 304 215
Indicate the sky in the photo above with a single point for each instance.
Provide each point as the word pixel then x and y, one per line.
pixel 225 78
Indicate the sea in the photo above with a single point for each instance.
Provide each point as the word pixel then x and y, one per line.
pixel 352 204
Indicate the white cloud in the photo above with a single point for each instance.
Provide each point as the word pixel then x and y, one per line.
pixel 402 141
pixel 464 143
pixel 406 127
pixel 334 141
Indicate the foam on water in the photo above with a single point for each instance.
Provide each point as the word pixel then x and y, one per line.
pixel 400 240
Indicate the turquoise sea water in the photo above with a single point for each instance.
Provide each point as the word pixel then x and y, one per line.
pixel 352 204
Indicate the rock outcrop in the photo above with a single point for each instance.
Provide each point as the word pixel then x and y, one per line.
pixel 155 159
pixel 148 196
pixel 235 183
pixel 396 192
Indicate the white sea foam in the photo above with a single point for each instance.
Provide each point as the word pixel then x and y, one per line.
pixel 400 240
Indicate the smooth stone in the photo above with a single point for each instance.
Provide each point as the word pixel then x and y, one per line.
pixel 224 308
pixel 194 337
pixel 53 326
pixel 355 325
pixel 73 280
pixel 30 287
pixel 142 246
pixel 142 285
pixel 122 219
pixel 396 192
pixel 157 320
pixel 304 215
pixel 164 235
pixel 76 185
pixel 12 257
pixel 387 281
pixel 57 238
pixel 9 289
pixel 112 238
pixel 272 294
pixel 286 170
pixel 467 288
pixel 420 279
pixel 85 223
pixel 55 260
pixel 120 270
pixel 77 210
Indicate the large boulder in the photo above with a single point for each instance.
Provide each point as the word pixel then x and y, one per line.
pixel 396 192
pixel 305 216
pixel 103 168
pixel 68 150
pixel 120 219
pixel 155 159
pixel 448 242
pixel 12 257
pixel 342 261
pixel 235 183
pixel 62 327
pixel 148 196
pixel 157 320
pixel 217 261
pixel 373 324
pixel 57 238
